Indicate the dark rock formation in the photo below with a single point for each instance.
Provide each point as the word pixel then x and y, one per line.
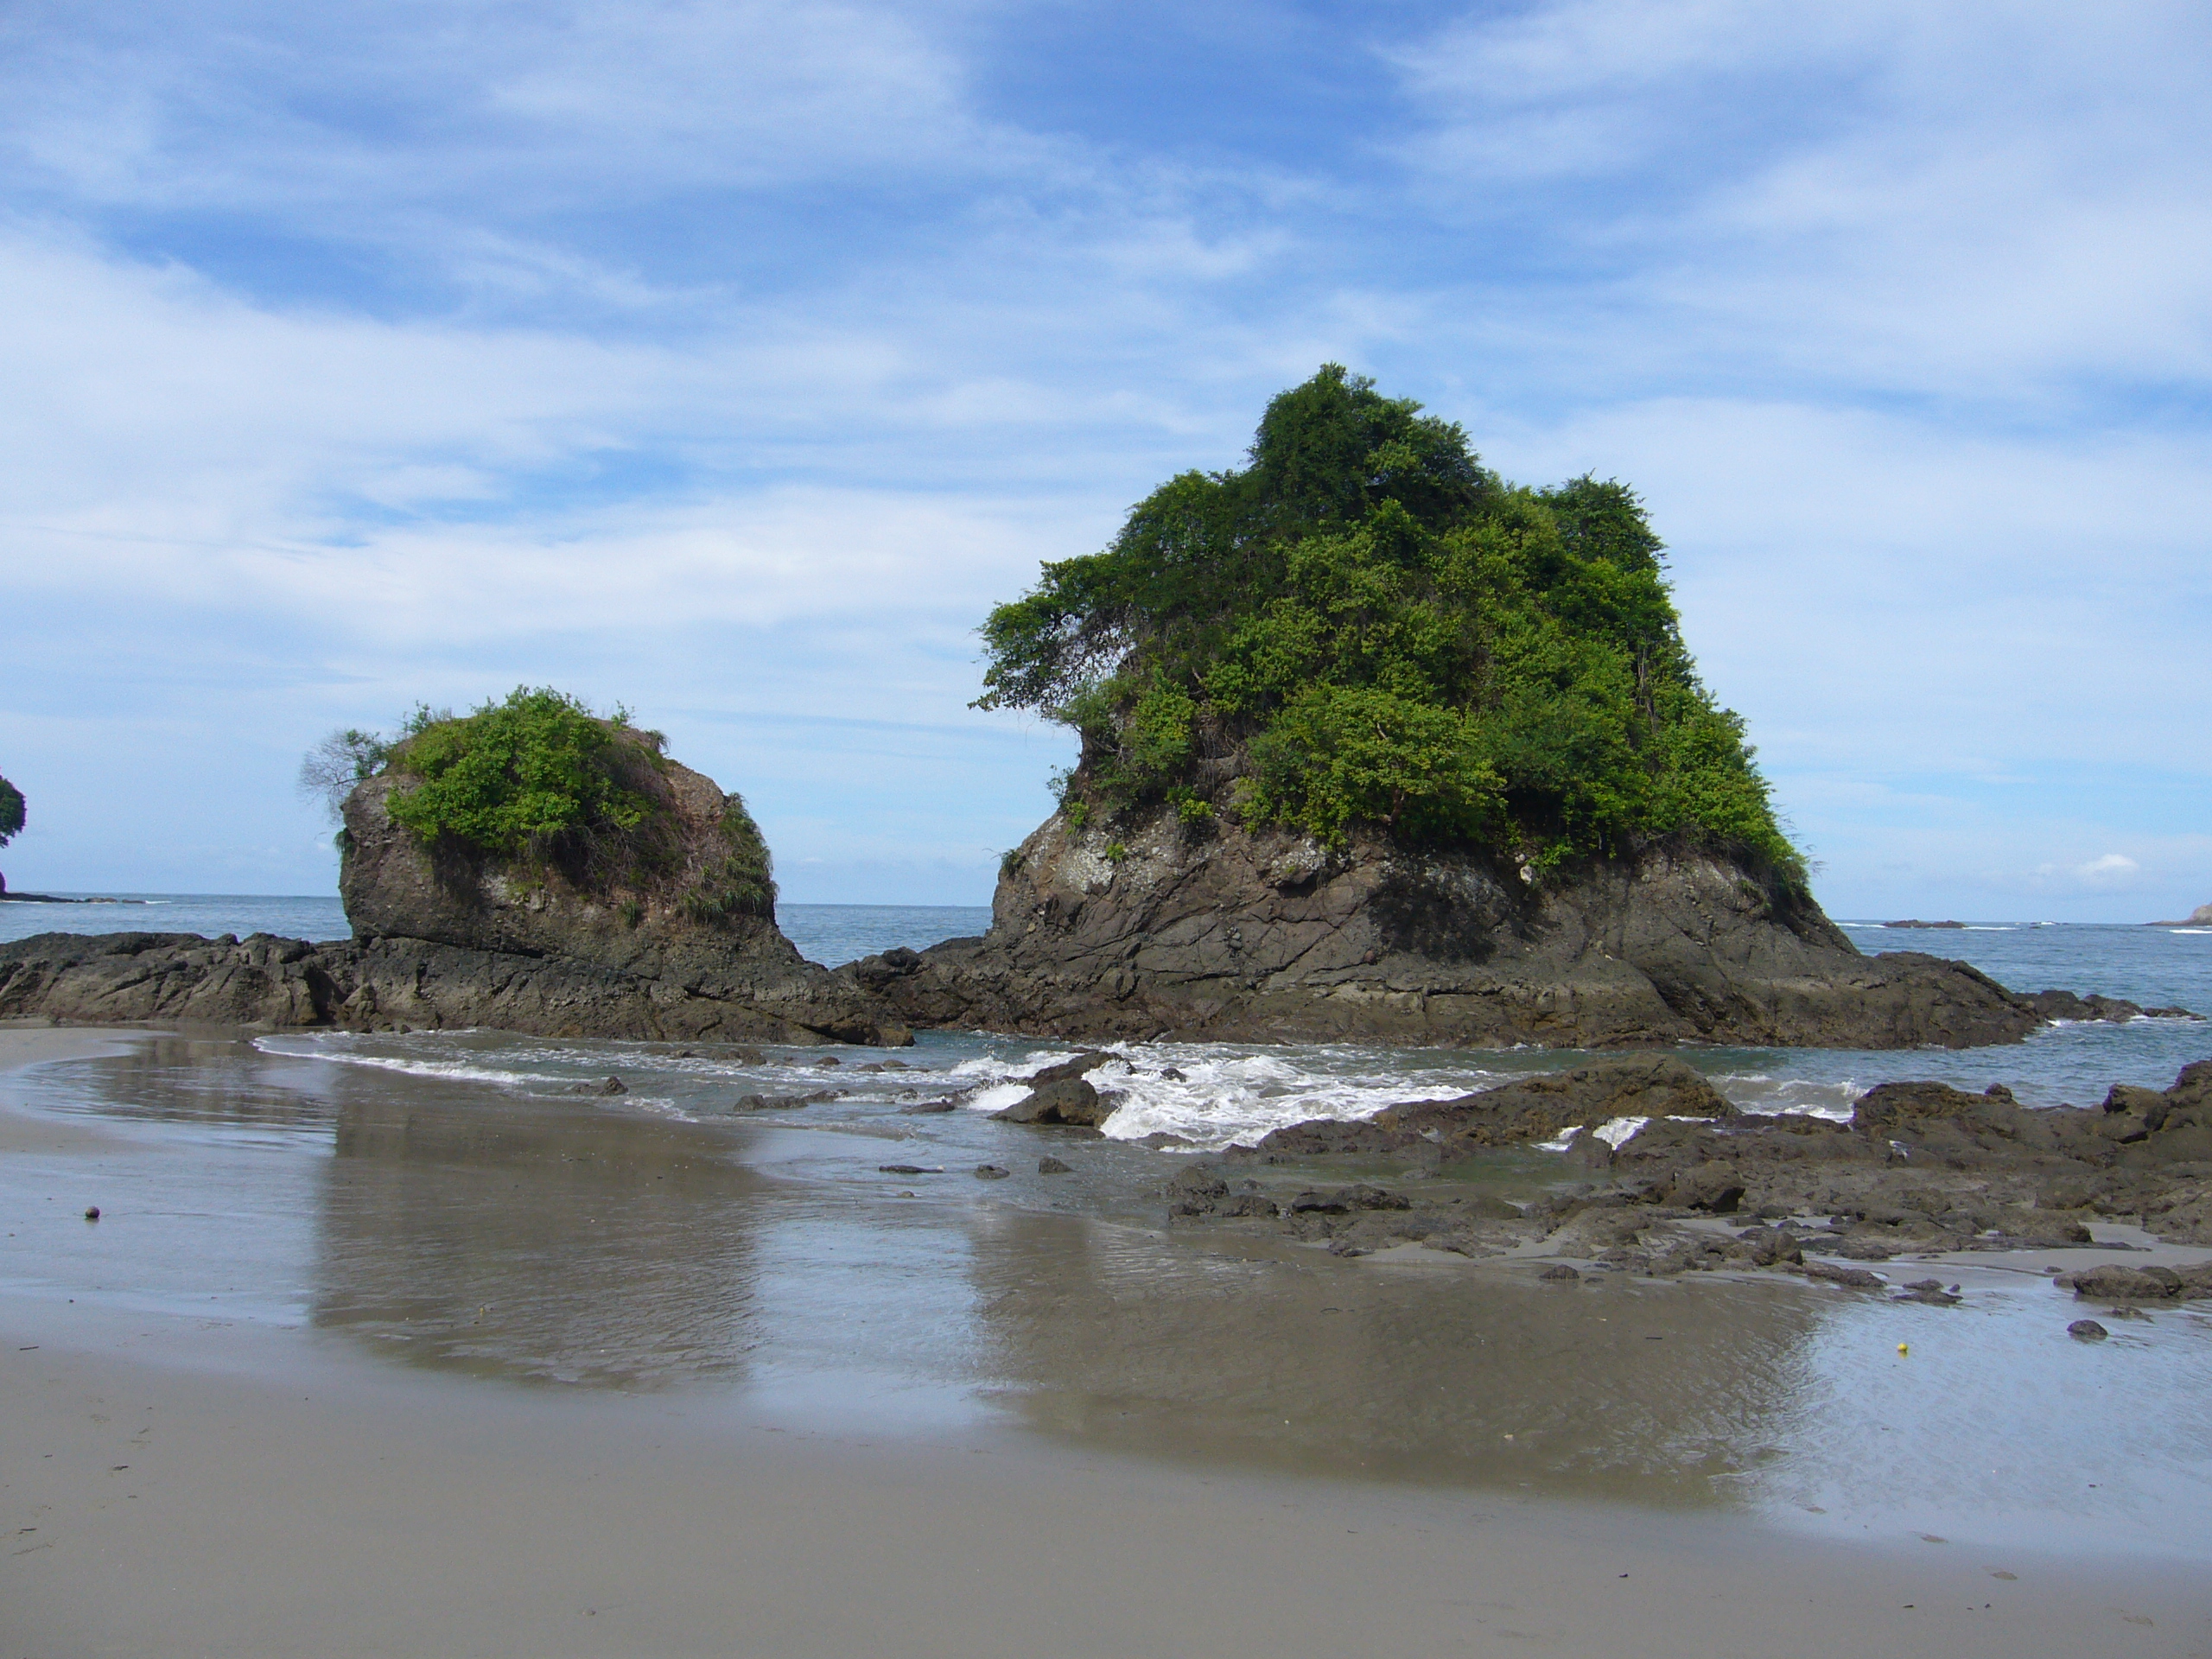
pixel 1153 927
pixel 1920 1168
pixel 1531 1110
pixel 1960 925
pixel 397 984
pixel 2065 1005
pixel 1066 1100
pixel 2201 916
pixel 448 938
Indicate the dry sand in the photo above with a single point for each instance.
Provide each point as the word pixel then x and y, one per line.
pixel 176 1485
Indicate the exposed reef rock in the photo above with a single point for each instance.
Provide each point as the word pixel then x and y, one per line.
pixel 449 938
pixel 1156 927
pixel 1535 1108
pixel 1920 1168
pixel 2201 916
pixel 402 984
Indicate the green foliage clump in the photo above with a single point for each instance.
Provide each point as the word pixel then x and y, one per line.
pixel 1364 626
pixel 11 812
pixel 512 776
pixel 739 878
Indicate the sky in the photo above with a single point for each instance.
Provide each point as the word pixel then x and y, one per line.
pixel 728 362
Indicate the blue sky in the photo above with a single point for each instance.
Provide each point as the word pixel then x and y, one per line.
pixel 729 361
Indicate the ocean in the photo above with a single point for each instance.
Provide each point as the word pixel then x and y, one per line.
pixel 471 1205
pixel 1235 1091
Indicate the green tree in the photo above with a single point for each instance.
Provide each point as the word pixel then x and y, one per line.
pixel 11 812
pixel 1364 625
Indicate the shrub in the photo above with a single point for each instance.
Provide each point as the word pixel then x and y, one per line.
pixel 1370 628
pixel 511 778
pixel 11 812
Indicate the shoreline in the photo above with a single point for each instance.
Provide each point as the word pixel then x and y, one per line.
pixel 251 1492
pixel 287 1478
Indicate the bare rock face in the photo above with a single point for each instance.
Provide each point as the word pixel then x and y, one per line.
pixel 1214 931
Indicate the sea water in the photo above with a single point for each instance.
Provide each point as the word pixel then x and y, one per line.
pixel 1213 1094
pixel 471 1203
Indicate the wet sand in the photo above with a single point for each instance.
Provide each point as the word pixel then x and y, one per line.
pixel 410 1371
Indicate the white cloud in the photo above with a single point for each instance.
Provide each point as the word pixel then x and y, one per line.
pixel 733 360
pixel 1886 196
pixel 2111 869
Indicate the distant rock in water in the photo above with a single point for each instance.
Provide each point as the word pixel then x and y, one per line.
pixel 1215 932
pixel 666 931
pixel 2201 916
pixel 1918 923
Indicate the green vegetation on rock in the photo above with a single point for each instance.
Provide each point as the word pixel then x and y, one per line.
pixel 11 812
pixel 539 780
pixel 510 778
pixel 1365 627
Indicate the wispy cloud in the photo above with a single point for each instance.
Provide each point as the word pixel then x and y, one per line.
pixel 730 360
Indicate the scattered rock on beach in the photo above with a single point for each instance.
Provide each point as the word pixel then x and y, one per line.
pixel 1850 1278
pixel 1089 1061
pixel 991 1172
pixel 1070 1101
pixel 2087 1331
pixel 1927 1290
pixel 1199 1190
pixel 1051 1166
pixel 1560 1273
pixel 606 1086
pixel 2111 1282
pixel 782 1102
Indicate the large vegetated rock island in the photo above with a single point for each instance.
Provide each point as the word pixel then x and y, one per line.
pixel 1377 747
pixel 528 867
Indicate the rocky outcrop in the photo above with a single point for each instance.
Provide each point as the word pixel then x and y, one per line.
pixel 446 937
pixel 1920 1168
pixel 1534 1108
pixel 2065 1005
pixel 2201 916
pixel 1157 928
pixel 412 984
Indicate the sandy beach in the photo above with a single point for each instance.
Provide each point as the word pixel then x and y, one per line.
pixel 399 1413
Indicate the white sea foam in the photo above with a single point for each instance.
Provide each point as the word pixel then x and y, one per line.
pixel 312 1048
pixel 1215 1095
pixel 1212 1095
pixel 1616 1130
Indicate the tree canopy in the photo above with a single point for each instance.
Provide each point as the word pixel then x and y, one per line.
pixel 11 812
pixel 1364 626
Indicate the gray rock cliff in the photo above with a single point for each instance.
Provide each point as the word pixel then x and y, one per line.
pixel 1158 928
